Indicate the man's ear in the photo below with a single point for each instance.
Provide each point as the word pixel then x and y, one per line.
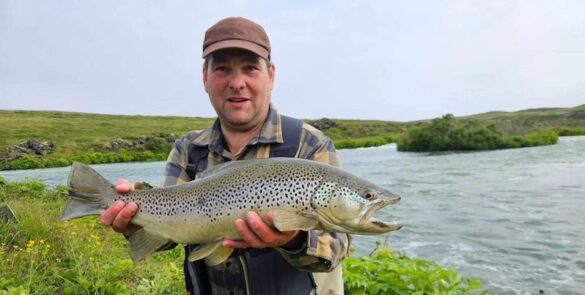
pixel 205 78
pixel 271 74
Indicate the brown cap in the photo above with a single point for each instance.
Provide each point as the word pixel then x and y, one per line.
pixel 236 32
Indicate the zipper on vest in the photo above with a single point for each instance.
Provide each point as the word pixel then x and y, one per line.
pixel 244 263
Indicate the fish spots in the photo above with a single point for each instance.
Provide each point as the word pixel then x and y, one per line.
pixel 243 186
pixel 324 194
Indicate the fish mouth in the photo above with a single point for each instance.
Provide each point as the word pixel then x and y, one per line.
pixel 375 226
pixel 376 205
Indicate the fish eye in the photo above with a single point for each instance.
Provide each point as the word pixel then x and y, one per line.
pixel 369 196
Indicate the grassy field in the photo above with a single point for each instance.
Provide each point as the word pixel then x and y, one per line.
pixel 83 137
pixel 525 120
pixel 41 255
pixel 75 133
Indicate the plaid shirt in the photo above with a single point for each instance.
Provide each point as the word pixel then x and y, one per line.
pixel 322 251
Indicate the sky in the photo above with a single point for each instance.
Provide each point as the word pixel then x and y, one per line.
pixel 386 60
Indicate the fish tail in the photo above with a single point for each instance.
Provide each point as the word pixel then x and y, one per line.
pixel 89 192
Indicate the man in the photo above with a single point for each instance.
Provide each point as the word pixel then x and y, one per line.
pixel 238 77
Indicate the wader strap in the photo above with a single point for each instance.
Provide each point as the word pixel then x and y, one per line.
pixel 291 135
pixel 197 160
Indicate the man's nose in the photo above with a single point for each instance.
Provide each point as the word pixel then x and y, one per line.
pixel 237 81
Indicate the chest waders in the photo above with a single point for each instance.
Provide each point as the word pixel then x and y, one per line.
pixel 263 271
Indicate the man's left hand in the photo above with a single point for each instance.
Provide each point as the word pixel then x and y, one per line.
pixel 258 234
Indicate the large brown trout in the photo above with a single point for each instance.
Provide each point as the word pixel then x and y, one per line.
pixel 302 195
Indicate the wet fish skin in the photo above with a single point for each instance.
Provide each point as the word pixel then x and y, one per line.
pixel 302 194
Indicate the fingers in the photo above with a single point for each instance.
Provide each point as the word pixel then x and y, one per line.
pixel 118 216
pixel 108 217
pixel 123 186
pixel 123 218
pixel 256 233
pixel 248 235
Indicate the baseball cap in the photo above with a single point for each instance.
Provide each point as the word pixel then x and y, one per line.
pixel 236 32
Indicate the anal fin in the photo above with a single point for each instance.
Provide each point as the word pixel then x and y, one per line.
pixel 143 243
pixel 203 251
pixel 218 256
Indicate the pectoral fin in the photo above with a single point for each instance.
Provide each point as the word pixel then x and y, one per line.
pixel 219 255
pixel 203 250
pixel 285 220
pixel 143 243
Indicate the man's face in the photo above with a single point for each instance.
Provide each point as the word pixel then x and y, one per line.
pixel 239 84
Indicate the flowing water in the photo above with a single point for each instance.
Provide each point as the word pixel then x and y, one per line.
pixel 514 218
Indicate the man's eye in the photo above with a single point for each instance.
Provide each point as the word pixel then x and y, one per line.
pixel 221 70
pixel 251 68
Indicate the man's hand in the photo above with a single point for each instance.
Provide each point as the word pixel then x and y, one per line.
pixel 258 234
pixel 119 214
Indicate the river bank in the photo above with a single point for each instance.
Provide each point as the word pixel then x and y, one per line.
pixel 100 139
pixel 39 254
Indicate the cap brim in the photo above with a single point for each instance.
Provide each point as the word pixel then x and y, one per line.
pixel 246 45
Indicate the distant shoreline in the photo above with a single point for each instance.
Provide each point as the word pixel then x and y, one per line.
pixel 96 138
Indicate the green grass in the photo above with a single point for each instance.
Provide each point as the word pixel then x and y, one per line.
pixel 82 137
pixel 364 142
pixel 540 117
pixel 75 133
pixel 41 255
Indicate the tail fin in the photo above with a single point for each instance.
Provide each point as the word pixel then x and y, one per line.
pixel 89 192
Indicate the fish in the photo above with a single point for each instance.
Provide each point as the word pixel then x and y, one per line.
pixel 301 194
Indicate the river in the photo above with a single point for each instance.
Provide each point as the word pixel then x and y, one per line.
pixel 514 218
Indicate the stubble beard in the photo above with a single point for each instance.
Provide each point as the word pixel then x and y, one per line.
pixel 254 122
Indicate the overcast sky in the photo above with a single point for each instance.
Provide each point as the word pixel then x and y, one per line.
pixel 388 60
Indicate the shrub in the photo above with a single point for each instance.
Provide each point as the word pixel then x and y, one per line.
pixel 449 134
pixel 363 142
pixel 158 144
pixel 384 272
pixel 570 131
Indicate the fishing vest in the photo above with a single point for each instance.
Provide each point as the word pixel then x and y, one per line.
pixel 265 270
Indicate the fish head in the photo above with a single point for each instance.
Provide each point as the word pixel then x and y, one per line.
pixel 349 206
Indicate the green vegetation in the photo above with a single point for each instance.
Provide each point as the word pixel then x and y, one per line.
pixel 450 134
pixel 385 272
pixel 354 129
pixel 363 142
pixel 570 131
pixel 83 137
pixel 86 137
pixel 73 133
pixel 41 255
pixel 91 157
pixel 541 118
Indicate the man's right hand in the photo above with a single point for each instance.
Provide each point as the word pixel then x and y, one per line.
pixel 118 216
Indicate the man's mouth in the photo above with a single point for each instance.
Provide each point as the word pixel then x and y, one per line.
pixel 237 99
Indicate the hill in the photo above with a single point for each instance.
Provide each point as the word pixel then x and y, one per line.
pixel 539 117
